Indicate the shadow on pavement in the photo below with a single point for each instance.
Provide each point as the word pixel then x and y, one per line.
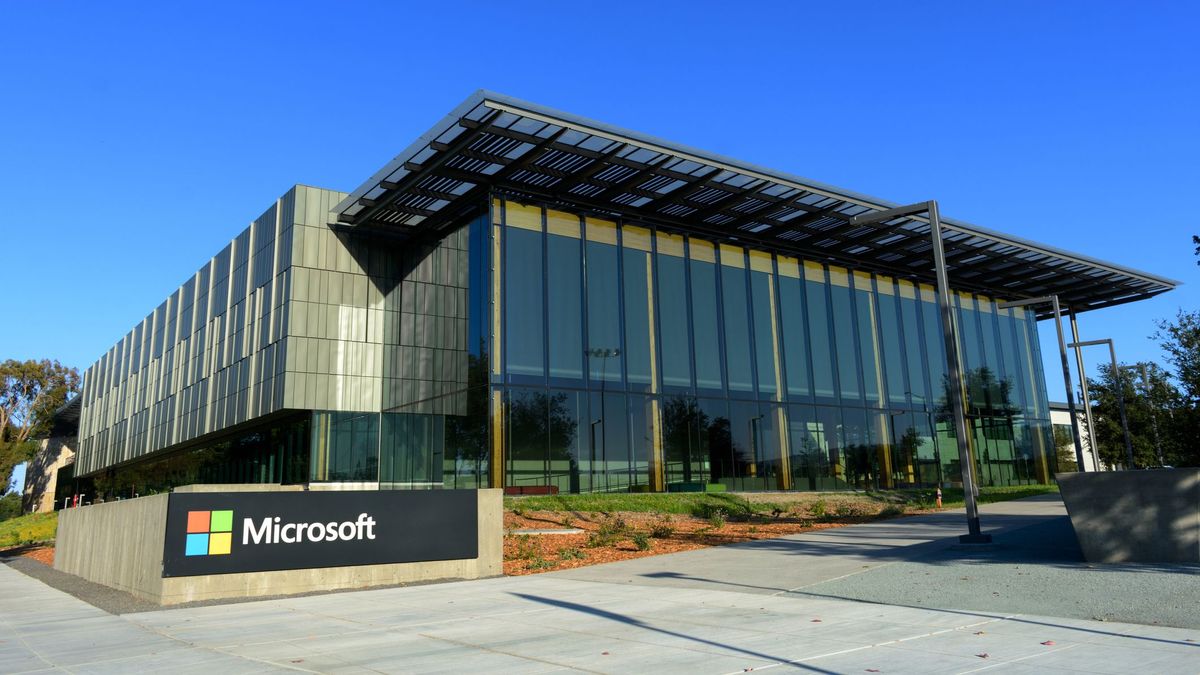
pixel 631 621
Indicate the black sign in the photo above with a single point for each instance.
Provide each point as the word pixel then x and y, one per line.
pixel 227 532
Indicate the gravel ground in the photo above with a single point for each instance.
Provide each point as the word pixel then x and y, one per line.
pixel 1034 570
pixel 102 597
pixel 119 602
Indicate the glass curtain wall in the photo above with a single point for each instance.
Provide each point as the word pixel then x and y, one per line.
pixel 632 359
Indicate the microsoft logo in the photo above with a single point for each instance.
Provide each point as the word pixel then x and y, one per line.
pixel 209 532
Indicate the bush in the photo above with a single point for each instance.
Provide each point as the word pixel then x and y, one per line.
pixel 663 529
pixel 527 548
pixel 540 563
pixel 818 509
pixel 10 506
pixel 571 553
pixel 641 541
pixel 597 539
pixel 717 519
pixel 891 510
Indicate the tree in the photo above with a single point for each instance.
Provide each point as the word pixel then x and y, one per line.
pixel 30 392
pixel 1156 411
pixel 1064 449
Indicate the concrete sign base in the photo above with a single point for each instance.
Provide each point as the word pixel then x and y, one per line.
pixel 121 545
pixel 1135 516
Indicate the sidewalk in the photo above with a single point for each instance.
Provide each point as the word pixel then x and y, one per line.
pixel 666 616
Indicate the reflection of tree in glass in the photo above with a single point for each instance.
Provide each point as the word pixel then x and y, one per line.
pixel 682 418
pixel 466 434
pixel 536 418
pixel 986 395
pixel 720 448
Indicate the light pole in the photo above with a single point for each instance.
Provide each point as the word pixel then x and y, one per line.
pixel 1153 416
pixel 604 354
pixel 1116 371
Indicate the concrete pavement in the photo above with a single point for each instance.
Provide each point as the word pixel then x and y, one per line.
pixel 658 616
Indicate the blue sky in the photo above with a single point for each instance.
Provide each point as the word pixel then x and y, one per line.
pixel 136 140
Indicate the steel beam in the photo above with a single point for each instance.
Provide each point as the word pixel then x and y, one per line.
pixel 1083 391
pixel 954 365
pixel 1056 312
pixel 1117 381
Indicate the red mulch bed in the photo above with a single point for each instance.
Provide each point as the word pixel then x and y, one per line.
pixel 536 553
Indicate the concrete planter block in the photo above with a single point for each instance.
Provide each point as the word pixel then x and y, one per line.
pixel 1135 516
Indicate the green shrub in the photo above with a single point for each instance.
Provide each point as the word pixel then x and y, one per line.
pixel 662 529
pixel 571 553
pixel 612 527
pixel 540 563
pixel 597 539
pixel 527 548
pixel 716 519
pixel 891 511
pixel 818 509
pixel 10 506
pixel 641 541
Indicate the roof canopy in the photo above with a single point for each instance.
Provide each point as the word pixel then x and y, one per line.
pixel 493 143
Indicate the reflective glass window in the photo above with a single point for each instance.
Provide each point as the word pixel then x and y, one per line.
pixel 868 339
pixel 860 451
pixel 935 346
pixel 523 317
pixel 639 306
pixel 914 346
pixel 705 315
pixel 843 330
pixel 820 331
pixel 564 295
pixel 682 424
pixel 794 337
pixel 643 437
pixel 566 425
pixel 739 368
pixel 716 441
pixel 673 312
pixel 891 338
pixel 528 434
pixel 609 433
pixel 605 356
pixel 766 328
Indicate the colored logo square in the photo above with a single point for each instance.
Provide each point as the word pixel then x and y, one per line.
pixel 198 522
pixel 221 521
pixel 197 544
pixel 219 543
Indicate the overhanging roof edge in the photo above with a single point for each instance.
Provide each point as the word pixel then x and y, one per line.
pixel 500 101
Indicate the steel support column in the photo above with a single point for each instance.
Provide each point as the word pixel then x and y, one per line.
pixel 954 365
pixel 1118 381
pixel 1118 378
pixel 1083 390
pixel 1066 368
pixel 953 361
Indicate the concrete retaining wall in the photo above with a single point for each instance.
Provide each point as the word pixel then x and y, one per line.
pixel 120 544
pixel 1135 516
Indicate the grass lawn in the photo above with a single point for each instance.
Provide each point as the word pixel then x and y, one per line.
pixel 749 504
pixel 33 528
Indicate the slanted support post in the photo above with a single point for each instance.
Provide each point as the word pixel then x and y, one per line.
pixel 953 361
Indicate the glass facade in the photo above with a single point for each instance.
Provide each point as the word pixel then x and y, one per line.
pixel 546 351
pixel 664 361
